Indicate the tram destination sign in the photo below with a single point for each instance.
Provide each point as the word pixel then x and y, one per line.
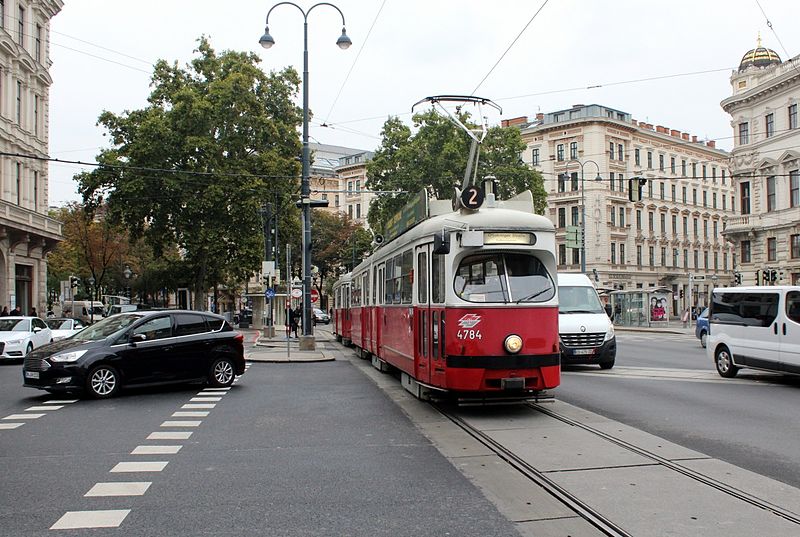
pixel 414 212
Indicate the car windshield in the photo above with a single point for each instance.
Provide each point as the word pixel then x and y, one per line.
pixel 106 327
pixel 503 277
pixel 14 325
pixel 578 299
pixel 59 324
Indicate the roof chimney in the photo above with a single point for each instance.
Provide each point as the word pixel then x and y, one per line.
pixel 540 116
pixel 662 129
pixel 694 139
pixel 675 133
pixel 685 136
pixel 513 121
pixel 712 144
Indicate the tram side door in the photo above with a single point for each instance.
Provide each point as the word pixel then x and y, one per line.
pixel 423 317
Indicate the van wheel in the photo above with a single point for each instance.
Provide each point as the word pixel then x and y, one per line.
pixel 724 363
pixel 703 337
pixel 607 365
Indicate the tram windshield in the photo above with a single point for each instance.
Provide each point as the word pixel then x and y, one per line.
pixel 503 277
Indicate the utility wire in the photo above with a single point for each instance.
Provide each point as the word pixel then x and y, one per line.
pixel 509 47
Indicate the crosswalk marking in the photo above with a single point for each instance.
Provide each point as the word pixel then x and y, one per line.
pixel 73 520
pixel 190 414
pixel 8 426
pixel 147 466
pixel 43 407
pixel 119 488
pixel 180 423
pixel 198 405
pixel 29 416
pixel 169 435
pixel 156 450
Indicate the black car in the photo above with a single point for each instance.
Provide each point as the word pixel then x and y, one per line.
pixel 139 348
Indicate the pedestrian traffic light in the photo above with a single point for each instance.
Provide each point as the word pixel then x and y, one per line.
pixel 635 185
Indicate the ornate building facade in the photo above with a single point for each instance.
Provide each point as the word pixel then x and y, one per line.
pixel 672 235
pixel 766 167
pixel 27 234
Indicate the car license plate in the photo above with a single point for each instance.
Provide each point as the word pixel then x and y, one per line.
pixel 31 374
pixel 583 351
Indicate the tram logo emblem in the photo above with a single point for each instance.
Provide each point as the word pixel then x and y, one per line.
pixel 470 320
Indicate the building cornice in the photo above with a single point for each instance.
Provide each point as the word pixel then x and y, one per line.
pixel 763 89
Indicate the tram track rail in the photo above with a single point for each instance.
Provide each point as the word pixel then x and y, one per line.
pixel 675 467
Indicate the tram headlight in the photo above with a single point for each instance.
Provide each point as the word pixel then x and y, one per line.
pixel 513 343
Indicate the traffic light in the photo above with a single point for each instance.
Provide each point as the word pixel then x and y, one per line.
pixel 680 293
pixel 738 278
pixel 74 281
pixel 635 185
pixel 765 277
pixel 773 276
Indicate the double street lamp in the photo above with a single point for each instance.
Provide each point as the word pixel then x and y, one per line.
pixel 565 177
pixel 343 42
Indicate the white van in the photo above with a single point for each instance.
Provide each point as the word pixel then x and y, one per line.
pixel 755 327
pixel 584 328
pixel 85 310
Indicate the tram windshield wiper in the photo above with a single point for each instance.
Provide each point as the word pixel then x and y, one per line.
pixel 534 295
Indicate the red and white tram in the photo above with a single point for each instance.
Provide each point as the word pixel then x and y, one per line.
pixel 462 302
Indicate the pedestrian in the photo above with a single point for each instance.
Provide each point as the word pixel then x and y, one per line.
pixel 33 313
pixel 298 320
pixel 685 317
pixel 16 312
pixel 293 320
pixel 4 313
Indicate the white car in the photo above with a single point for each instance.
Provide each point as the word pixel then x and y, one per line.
pixel 64 327
pixel 20 335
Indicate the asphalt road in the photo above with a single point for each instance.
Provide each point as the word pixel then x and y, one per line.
pixel 292 449
pixel 663 384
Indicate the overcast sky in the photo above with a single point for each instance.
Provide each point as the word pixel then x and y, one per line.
pixel 103 50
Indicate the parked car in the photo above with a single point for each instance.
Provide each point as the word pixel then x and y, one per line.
pixel 701 327
pixel 63 327
pixel 139 348
pixel 87 311
pixel 321 317
pixel 20 335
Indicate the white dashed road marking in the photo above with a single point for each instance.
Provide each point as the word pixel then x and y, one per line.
pixel 179 423
pixel 156 450
pixel 121 488
pixel 199 405
pixel 43 407
pixel 61 402
pixel 152 466
pixel 205 399
pixel 73 520
pixel 23 416
pixel 170 435
pixel 191 414
pixel 7 426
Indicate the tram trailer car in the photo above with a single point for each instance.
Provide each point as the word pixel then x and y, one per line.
pixel 463 303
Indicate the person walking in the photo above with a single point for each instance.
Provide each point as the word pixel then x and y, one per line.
pixel 4 313
pixel 293 321
pixel 33 313
pixel 298 319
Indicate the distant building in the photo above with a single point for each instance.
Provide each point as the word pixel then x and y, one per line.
pixel 339 175
pixel 766 167
pixel 352 171
pixel 27 234
pixel 674 231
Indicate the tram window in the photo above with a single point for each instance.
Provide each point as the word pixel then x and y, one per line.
pixel 365 289
pixel 423 333
pixel 374 285
pixel 509 277
pixel 407 277
pixel 389 281
pixel 435 332
pixel 437 279
pixel 422 277
pixel 380 285
pixel 397 278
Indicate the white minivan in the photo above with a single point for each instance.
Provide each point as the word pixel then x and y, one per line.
pixel 754 327
pixel 585 331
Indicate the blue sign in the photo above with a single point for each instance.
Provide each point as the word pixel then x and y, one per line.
pixel 269 293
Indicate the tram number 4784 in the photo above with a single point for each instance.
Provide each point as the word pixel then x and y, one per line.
pixel 469 334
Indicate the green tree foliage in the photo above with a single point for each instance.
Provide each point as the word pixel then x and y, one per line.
pixel 192 169
pixel 336 240
pixel 435 158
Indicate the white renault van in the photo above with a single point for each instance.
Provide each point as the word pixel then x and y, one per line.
pixel 754 327
pixel 584 328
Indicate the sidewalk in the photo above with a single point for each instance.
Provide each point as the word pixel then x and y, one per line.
pixel 677 328
pixel 258 348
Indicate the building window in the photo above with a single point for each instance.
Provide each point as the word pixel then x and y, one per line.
pixel 713 174
pixel 652 256
pixel 358 185
pixel 795 242
pixel 576 256
pixel 770 124
pixel 744 135
pixel 611 183
pixel 622 217
pixel 724 260
pixel 714 200
pixel 350 211
pixel 793 116
pixel 705 229
pixel 724 173
pixel 675 259
pixel 661 162
pixel 744 191
pixel 620 152
pixel 621 183
pixel 694 170
pixel 39 43
pixel 575 218
pixel 639 255
pixel 674 225
pixel 772 249
pixel 705 198
pixel 638 219
pixel 672 165
pixel 696 259
pixel 560 152
pixel 694 196
pixel 683 168
pixel 535 157
pixel 674 196
pixel 562 254
pixel 574 177
pixel 36 115
pixel 573 150
pixel 686 227
pixel 337 200
pixel 716 230
pixel 562 183
pixel 611 150
pixel 35 190
pixel 683 192
pixel 358 210
pixel 637 157
pixel 649 160
pixel 724 202
pixel 695 228
pixel 19 183
pixel 613 253
pixel 705 172
pixel 19 103
pixel 621 254
pixel 705 260
pixel 746 250
pixel 613 217
pixel 2 14
pixel 651 219
pixel 562 217
pixel 663 223
pixel 21 26
pixel 686 259
pixel 661 188
pixel 794 188
pixel 650 189
pixel 663 257
pixel 771 193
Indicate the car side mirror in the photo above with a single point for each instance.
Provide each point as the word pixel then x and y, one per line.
pixel 137 338
pixel 36 329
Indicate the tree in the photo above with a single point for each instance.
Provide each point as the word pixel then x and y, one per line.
pixel 435 158
pixel 192 168
pixel 337 242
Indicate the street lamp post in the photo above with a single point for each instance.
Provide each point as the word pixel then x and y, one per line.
pixel 343 42
pixel 128 273
pixel 565 176
pixel 91 300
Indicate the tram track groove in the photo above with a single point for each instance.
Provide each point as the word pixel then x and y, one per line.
pixel 570 500
pixel 671 465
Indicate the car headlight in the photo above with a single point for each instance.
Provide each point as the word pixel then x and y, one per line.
pixel 71 356
pixel 609 334
pixel 14 341
pixel 513 343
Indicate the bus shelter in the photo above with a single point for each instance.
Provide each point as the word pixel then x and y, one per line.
pixel 642 307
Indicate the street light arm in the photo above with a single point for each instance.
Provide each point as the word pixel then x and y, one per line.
pixel 305 14
pixel 325 4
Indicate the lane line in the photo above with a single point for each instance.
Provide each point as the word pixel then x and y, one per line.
pixel 129 467
pixel 43 407
pixel 179 423
pixel 119 488
pixel 73 520
pixel 7 426
pixel 205 399
pixel 156 450
pixel 190 414
pixel 23 416
pixel 169 435
pixel 198 405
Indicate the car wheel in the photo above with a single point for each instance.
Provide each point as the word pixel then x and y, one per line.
pixel 29 349
pixel 703 336
pixel 607 365
pixel 222 373
pixel 102 382
pixel 724 363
